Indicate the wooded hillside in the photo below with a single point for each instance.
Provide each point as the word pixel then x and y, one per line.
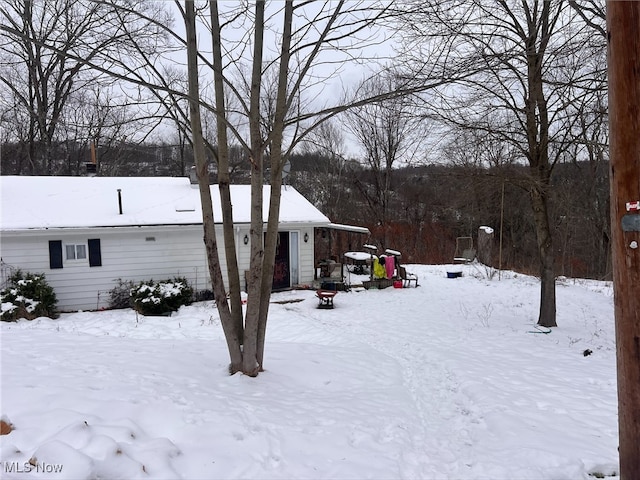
pixel 431 205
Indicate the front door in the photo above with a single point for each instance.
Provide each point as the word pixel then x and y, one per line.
pixel 281 268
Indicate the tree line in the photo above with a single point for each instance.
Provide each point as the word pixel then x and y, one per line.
pixel 432 205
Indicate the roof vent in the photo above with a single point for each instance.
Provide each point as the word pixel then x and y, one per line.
pixel 184 205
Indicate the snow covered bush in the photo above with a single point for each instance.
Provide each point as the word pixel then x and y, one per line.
pixel 150 298
pixel 29 296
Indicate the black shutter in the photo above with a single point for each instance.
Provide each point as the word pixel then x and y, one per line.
pixel 95 256
pixel 55 253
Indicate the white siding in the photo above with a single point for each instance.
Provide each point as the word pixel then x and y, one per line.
pixel 129 254
pixel 126 254
pixel 307 260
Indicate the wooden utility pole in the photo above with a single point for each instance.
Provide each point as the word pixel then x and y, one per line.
pixel 623 29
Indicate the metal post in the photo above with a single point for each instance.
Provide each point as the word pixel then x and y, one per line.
pixel 501 223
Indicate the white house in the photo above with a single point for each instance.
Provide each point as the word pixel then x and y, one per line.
pixel 85 233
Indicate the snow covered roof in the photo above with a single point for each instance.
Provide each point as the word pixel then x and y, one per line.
pixel 30 202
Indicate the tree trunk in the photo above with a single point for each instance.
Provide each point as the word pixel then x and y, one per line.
pixel 537 124
pixel 268 267
pixel 485 247
pixel 277 164
pixel 547 315
pixel 215 271
pixel 224 178
pixel 250 361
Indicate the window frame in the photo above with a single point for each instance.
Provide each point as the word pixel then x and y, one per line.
pixel 77 247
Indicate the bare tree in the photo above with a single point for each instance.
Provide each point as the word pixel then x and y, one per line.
pixel 278 121
pixel 524 72
pixel 593 13
pixel 386 131
pixel 583 190
pixel 325 186
pixel 46 47
pixel 215 272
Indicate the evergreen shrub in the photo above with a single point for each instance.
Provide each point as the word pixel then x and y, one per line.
pixel 150 298
pixel 28 295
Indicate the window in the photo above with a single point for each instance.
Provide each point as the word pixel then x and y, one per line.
pixel 76 252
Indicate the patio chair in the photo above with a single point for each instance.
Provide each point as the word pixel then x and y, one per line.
pixel 406 277
pixel 465 253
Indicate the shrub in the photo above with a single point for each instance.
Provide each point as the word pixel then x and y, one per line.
pixel 151 298
pixel 120 295
pixel 203 295
pixel 28 296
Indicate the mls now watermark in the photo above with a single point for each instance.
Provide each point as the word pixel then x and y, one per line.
pixel 27 467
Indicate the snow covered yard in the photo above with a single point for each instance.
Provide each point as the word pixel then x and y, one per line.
pixel 446 381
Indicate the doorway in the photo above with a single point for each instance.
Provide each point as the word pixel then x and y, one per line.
pixel 281 266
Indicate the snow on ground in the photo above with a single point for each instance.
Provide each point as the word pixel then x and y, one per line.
pixel 449 380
